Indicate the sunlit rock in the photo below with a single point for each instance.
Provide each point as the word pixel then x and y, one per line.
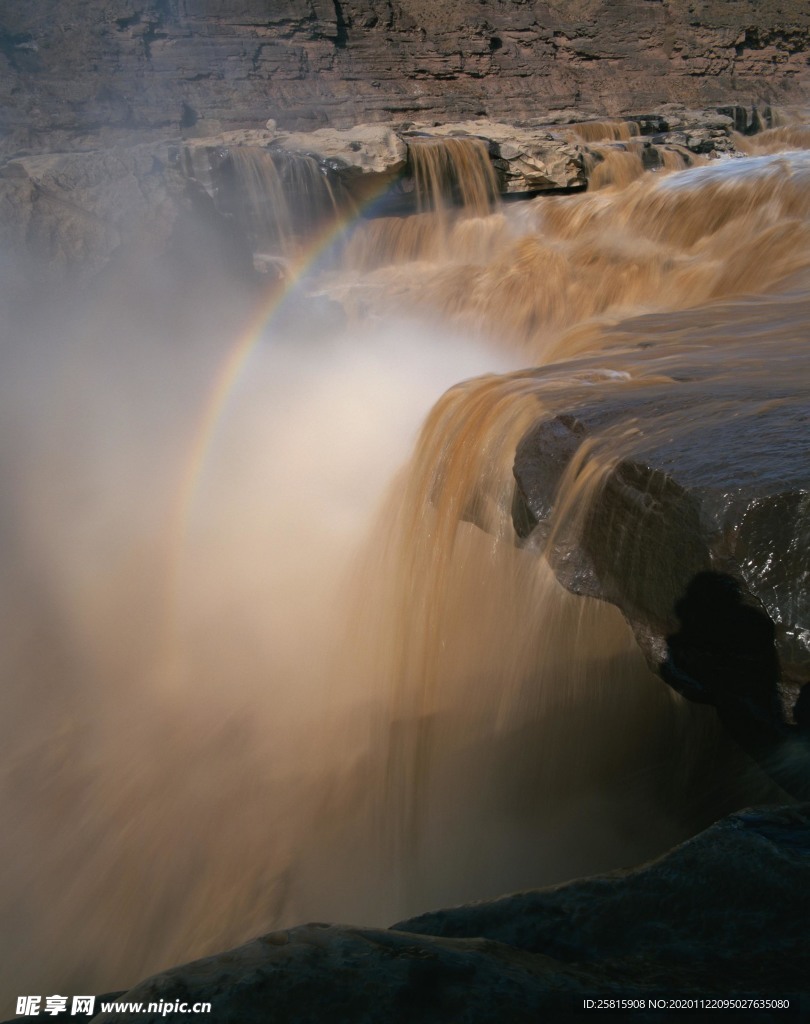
pixel 363 149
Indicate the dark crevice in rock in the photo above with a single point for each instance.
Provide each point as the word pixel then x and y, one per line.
pixel 122 24
pixel 20 50
pixel 341 35
pixel 188 116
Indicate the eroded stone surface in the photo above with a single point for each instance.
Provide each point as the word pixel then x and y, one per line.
pixel 362 149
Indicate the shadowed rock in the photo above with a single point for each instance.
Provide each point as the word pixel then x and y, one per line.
pixel 671 927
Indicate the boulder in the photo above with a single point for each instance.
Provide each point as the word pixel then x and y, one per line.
pixel 363 149
pixel 699 528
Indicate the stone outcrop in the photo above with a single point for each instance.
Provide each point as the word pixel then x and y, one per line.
pixel 699 530
pixel 367 160
pixel 361 149
pixel 202 68
pixel 669 928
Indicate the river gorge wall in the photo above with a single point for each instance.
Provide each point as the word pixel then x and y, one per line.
pixel 208 67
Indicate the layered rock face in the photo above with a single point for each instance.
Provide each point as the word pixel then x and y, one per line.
pixel 148 64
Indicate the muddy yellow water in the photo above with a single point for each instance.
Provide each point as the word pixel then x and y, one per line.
pixel 374 701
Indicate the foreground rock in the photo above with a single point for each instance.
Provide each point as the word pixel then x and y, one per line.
pixel 675 922
pixel 699 529
pixel 723 915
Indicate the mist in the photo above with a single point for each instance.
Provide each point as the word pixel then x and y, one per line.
pixel 252 677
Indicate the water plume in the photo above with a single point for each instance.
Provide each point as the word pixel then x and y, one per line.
pixel 620 164
pixel 613 166
pixel 130 759
pixel 775 140
pixel 278 199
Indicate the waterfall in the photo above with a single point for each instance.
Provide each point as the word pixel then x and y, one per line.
pixel 600 131
pixel 278 199
pixel 455 184
pixel 447 170
pixel 379 698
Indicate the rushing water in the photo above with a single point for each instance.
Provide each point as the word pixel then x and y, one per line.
pixel 301 681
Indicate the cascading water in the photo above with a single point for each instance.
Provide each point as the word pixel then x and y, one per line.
pixel 377 700
pixel 453 169
pixel 455 184
pixel 598 131
pixel 278 199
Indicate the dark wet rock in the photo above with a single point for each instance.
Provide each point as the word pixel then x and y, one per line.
pixel 669 927
pixel 676 919
pixel 700 529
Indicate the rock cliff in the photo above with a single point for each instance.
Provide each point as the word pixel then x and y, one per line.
pixel 207 66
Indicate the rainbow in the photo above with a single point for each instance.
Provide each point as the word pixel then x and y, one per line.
pixel 225 381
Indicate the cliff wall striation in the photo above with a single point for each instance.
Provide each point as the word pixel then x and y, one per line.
pixel 215 64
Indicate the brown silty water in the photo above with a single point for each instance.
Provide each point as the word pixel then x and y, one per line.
pixel 377 701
